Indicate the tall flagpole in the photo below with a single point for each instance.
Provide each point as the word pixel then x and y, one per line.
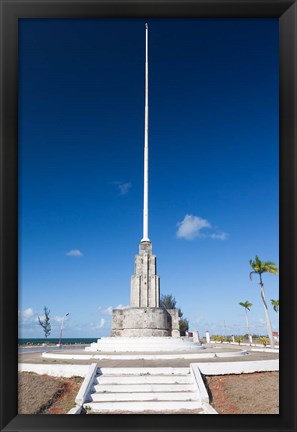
pixel 145 188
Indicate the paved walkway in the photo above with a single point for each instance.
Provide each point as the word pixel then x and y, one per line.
pixel 33 357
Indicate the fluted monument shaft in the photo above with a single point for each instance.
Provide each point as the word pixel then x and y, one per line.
pixel 146 109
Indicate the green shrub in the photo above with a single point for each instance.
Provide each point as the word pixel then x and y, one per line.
pixel 264 341
pixel 239 339
pixel 219 338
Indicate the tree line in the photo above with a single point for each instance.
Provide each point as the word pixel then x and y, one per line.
pixel 259 268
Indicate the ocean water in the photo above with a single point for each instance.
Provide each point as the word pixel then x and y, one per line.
pixel 65 341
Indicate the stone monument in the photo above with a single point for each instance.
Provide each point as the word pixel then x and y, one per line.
pixel 144 326
pixel 145 317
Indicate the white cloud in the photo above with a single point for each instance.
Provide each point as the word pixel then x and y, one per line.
pixel 26 315
pixel 220 236
pixel 59 319
pixel 123 187
pixel 120 306
pixel 74 252
pixel 98 326
pixel 190 227
pixel 101 323
pixel 194 226
pixel 199 319
pixel 105 311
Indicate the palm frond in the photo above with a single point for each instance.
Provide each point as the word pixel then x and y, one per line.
pixel 275 304
pixel 256 265
pixel 252 263
pixel 247 305
pixel 270 267
pixel 251 274
pixel 263 266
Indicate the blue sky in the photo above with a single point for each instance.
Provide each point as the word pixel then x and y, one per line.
pixel 213 185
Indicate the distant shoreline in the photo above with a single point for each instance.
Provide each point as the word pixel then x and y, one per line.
pixel 31 342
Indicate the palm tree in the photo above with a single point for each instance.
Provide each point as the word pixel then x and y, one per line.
pixel 259 267
pixel 275 304
pixel 247 307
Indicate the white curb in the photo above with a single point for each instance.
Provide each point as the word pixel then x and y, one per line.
pixel 86 385
pixel 208 408
pixel 201 390
pixel 67 356
pixel 199 382
pixel 237 367
pixel 57 370
pixel 76 410
pixel 269 350
pixel 193 356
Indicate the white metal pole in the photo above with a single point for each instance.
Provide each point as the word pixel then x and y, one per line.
pixel 145 188
pixel 60 341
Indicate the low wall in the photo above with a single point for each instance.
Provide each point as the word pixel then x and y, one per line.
pixel 227 368
pixel 57 370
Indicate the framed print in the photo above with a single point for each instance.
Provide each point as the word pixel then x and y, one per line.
pixel 129 125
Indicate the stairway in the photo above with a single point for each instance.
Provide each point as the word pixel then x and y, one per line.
pixel 144 344
pixel 148 390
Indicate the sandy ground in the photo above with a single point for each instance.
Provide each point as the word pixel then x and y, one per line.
pixel 256 393
pixel 43 394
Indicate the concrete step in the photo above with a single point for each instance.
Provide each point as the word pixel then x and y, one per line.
pixel 146 344
pixel 146 396
pixel 135 388
pixel 144 390
pixel 154 407
pixel 113 348
pixel 144 379
pixel 141 342
pixel 145 371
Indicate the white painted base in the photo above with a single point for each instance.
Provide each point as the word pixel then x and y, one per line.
pixel 143 344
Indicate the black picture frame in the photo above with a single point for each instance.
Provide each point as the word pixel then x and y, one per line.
pixel 11 11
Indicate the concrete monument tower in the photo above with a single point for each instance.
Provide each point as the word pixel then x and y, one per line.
pixel 145 284
pixel 144 317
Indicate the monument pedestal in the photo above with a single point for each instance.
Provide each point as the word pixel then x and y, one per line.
pixel 145 321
